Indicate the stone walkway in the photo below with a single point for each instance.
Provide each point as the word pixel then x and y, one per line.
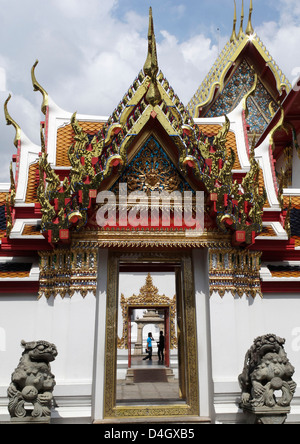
pixel 148 392
pixel 145 392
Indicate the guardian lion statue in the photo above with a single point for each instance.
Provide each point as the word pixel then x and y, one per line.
pixel 267 370
pixel 32 381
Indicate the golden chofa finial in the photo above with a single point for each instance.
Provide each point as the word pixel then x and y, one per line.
pixel 37 87
pixel 151 65
pixel 242 21
pixel 249 29
pixel 233 37
pixel 10 121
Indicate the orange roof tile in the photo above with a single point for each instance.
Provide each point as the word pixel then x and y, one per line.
pixel 267 232
pixel 212 130
pixel 286 274
pixel 14 269
pixel 295 201
pixel 33 182
pixel 297 241
pixel 3 198
pixel 65 138
pixel 261 181
pixel 14 274
pixel 31 230
pixel 2 217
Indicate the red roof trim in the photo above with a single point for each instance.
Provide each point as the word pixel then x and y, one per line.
pixel 12 287
pixel 281 287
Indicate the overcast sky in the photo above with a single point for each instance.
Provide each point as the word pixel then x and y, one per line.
pixel 90 51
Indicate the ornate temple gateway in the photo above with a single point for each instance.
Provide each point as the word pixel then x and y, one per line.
pixel 160 217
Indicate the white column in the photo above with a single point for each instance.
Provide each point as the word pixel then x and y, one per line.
pixel 201 280
pixel 99 349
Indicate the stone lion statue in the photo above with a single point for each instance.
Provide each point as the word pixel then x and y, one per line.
pixel 32 381
pixel 267 370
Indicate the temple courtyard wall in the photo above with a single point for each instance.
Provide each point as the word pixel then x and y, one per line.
pixel 225 331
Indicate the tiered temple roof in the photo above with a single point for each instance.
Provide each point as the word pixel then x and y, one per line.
pixel 50 204
pixel 233 76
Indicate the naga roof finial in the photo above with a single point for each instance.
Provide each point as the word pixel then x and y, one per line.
pixel 10 121
pixel 242 20
pixel 233 37
pixel 38 87
pixel 249 29
pixel 151 65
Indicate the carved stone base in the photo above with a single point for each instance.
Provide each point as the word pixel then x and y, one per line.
pixel 30 420
pixel 265 415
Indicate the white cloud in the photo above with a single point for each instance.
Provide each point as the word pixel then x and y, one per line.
pixel 289 12
pixel 3 79
pixel 178 10
pixel 27 115
pixel 77 9
pixel 199 51
pixel 186 64
pixel 282 39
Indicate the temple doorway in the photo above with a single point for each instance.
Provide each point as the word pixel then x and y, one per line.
pixel 144 376
pixel 160 286
pixel 142 323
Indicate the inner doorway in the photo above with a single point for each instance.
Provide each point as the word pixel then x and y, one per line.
pixel 153 318
pixel 146 375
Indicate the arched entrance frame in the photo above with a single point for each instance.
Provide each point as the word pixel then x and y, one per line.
pixel 163 324
pixel 149 298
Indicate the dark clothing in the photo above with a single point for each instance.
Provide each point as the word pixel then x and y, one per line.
pixel 161 346
pixel 149 354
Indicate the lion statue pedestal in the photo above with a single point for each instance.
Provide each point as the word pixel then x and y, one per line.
pixel 32 383
pixel 265 415
pixel 266 381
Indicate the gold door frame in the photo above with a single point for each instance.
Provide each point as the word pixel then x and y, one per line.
pixel 188 364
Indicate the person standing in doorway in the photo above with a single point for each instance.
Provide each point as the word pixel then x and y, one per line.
pixel 149 347
pixel 161 347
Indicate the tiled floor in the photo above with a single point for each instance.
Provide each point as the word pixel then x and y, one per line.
pixel 148 392
pixel 145 392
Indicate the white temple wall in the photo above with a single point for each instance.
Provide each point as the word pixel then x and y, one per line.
pixel 226 328
pixel 69 323
pixel 235 323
